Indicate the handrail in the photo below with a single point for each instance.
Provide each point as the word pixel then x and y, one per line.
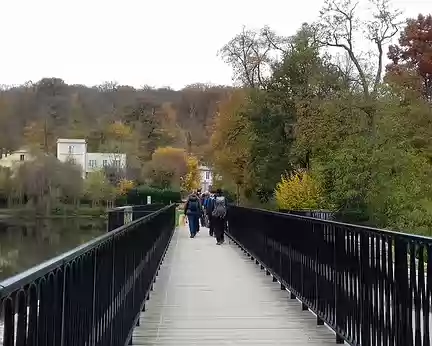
pixel 371 286
pixel 92 294
pixel 382 231
pixel 27 276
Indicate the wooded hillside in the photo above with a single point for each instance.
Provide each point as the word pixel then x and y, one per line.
pixel 36 114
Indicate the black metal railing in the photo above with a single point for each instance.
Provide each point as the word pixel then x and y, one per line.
pixel 91 295
pixel 318 214
pixel 120 216
pixel 371 286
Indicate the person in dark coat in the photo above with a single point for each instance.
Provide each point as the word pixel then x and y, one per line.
pixel 209 209
pixel 219 214
pixel 193 211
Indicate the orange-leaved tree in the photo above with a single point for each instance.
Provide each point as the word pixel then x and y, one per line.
pixel 411 66
pixel 168 164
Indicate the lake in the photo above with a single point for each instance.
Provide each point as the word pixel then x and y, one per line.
pixel 26 243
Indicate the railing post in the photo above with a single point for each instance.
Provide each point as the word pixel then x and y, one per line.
pixel 364 289
pixel 93 324
pixel 316 237
pixel 338 251
pixel 112 291
pixel 62 336
pixel 401 295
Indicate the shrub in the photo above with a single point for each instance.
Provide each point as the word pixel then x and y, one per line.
pixel 298 191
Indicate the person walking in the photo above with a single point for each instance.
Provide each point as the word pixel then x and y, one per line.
pixel 193 211
pixel 209 209
pixel 219 213
pixel 203 200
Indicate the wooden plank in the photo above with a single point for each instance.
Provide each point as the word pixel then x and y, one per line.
pixel 214 295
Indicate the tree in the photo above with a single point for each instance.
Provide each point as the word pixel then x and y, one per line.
pixel 279 115
pixel 231 140
pixel 340 24
pixel 5 184
pixel 118 140
pixel 411 66
pixel 251 54
pixel 124 187
pixel 299 191
pixel 11 135
pixel 97 188
pixel 45 180
pixel 168 164
pixel 52 98
pixel 191 180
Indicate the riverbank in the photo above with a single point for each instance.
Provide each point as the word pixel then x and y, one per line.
pixel 58 212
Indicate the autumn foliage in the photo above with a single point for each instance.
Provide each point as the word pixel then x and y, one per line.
pixel 411 65
pixel 168 164
pixel 230 141
pixel 298 191
pixel 191 180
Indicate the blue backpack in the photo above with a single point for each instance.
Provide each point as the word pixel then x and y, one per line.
pixel 193 206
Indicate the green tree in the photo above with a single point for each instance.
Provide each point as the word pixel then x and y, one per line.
pixel 97 188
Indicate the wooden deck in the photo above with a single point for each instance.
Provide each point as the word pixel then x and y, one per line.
pixel 214 295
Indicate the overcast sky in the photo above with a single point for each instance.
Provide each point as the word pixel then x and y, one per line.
pixel 136 42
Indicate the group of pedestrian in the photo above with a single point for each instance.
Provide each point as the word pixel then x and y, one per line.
pixel 211 210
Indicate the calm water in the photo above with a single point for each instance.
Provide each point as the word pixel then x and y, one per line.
pixel 26 243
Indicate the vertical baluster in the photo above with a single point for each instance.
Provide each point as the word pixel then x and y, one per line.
pixel 9 322
pixel 21 333
pixel 420 294
pixel 401 304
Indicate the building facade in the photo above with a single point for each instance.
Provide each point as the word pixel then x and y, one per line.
pixel 75 150
pixel 14 159
pixel 206 178
pixel 97 161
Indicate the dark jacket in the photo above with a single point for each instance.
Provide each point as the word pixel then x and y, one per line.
pixel 209 205
pixel 192 198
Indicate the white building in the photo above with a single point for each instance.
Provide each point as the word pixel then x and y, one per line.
pixel 206 178
pixel 14 159
pixel 17 157
pixel 76 150
pixel 97 161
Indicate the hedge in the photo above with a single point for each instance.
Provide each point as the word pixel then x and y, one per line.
pixel 138 196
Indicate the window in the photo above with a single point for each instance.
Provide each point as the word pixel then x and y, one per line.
pixel 71 149
pixel 22 157
pixel 116 163
pixel 207 175
pixel 105 163
pixel 92 163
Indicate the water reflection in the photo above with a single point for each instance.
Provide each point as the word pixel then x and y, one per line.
pixel 25 243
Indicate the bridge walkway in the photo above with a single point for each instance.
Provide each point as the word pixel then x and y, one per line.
pixel 212 295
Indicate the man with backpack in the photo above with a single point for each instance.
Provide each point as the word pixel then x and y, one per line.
pixel 219 213
pixel 193 211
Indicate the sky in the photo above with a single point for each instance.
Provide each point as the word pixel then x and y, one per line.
pixel 140 42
